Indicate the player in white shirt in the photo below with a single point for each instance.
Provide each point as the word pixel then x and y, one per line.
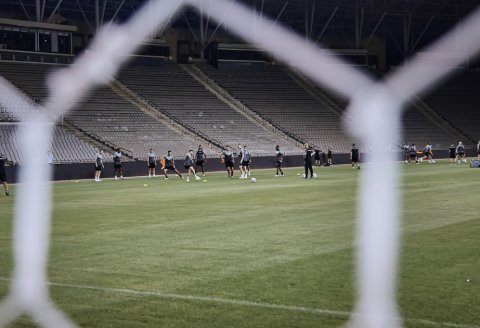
pixel 98 166
pixel 188 164
pixel 152 163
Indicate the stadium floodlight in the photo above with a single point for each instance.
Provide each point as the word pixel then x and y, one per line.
pixel 376 109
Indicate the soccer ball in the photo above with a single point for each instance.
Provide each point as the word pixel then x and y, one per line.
pixel 253 180
pixel 314 175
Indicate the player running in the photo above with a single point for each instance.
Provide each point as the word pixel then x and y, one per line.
pixel 3 175
pixel 279 160
pixel 200 159
pixel 355 157
pixel 98 166
pixel 187 163
pixel 170 165
pixel 227 158
pixel 152 163
pixel 427 153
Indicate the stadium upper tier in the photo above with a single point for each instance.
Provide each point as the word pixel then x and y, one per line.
pixel 274 95
pixel 107 115
pixel 458 101
pixel 173 91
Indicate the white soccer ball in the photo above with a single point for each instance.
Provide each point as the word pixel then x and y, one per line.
pixel 314 175
pixel 253 180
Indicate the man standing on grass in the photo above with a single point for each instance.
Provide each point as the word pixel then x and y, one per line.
pixel 245 159
pixel 308 161
pixel 227 158
pixel 451 152
pixel 200 159
pixel 3 175
pixel 152 163
pixel 460 151
pixel 98 166
pixel 170 165
pixel 355 157
pixel 117 164
pixel 278 160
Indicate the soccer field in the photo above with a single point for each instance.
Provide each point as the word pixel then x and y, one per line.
pixel 229 253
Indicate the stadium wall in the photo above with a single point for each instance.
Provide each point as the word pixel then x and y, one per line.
pixel 77 171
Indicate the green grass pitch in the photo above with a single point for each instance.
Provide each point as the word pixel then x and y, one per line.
pixel 230 253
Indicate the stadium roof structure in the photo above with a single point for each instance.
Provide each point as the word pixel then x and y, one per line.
pixel 408 24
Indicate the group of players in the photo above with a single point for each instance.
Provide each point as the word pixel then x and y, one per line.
pixel 456 153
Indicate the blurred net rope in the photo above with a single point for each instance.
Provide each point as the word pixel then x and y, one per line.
pixel 375 108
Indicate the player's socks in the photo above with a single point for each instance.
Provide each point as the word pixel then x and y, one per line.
pixel 7 193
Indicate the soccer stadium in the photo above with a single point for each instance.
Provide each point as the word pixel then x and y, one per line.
pixel 196 163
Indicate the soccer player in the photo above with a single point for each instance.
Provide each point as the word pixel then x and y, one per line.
pixel 170 165
pixel 3 175
pixel 240 156
pixel 278 160
pixel 98 166
pixel 329 156
pixel 245 162
pixel 187 163
pixel 152 163
pixel 227 158
pixel 427 153
pixel 478 149
pixel 406 151
pixel 452 151
pixel 308 161
pixel 460 151
pixel 201 158
pixel 413 153
pixel 117 164
pixel 355 156
pixel 318 162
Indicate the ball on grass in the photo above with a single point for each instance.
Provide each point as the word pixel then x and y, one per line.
pixel 253 180
pixel 145 185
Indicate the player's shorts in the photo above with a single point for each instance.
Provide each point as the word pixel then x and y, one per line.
pixel 98 167
pixel 169 167
pixel 412 155
pixel 187 167
pixel 461 153
pixel 200 163
pixel 151 165
pixel 229 164
pixel 117 166
pixel 426 154
pixel 3 177
pixel 355 159
pixel 245 163
pixel 317 157
pixel 278 163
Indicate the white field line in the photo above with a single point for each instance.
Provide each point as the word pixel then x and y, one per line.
pixel 207 299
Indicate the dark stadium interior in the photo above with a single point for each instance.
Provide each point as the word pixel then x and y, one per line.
pixel 196 83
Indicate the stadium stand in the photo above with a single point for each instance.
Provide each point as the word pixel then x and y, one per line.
pixel 275 95
pixel 106 115
pixel 173 91
pixel 458 101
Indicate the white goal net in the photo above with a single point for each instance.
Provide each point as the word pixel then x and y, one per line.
pixel 376 107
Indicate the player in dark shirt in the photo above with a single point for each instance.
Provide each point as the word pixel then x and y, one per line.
pixel 117 164
pixel 200 159
pixel 308 161
pixel 451 153
pixel 460 151
pixel 3 175
pixel 317 157
pixel 278 160
pixel 170 165
pixel 329 156
pixel 355 156
pixel 228 158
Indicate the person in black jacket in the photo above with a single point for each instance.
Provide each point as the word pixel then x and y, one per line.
pixel 308 161
pixel 3 175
